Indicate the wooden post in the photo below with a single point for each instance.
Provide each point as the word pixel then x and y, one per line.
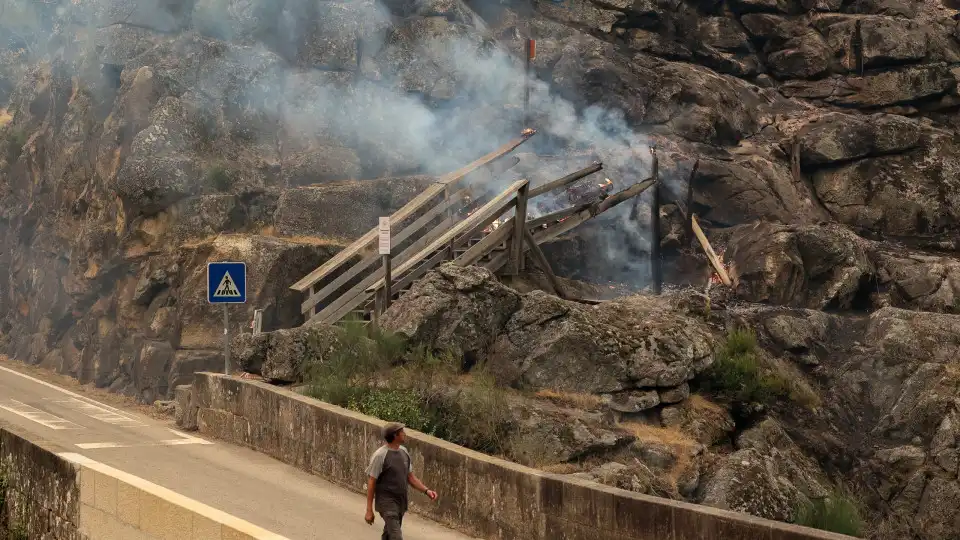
pixel 711 255
pixel 543 263
pixel 519 225
pixel 387 278
pixel 531 50
pixel 688 219
pixel 450 212
pixel 656 269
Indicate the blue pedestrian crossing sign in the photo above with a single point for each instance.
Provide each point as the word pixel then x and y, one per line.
pixel 227 283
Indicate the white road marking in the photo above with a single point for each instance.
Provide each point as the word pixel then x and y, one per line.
pixel 182 440
pixel 36 415
pixel 235 524
pixel 61 390
pixel 99 413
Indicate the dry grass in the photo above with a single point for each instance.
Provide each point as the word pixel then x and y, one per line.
pixel 570 399
pixel 314 240
pixel 682 445
pixel 5 117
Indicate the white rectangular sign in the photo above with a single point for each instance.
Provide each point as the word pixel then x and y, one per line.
pixel 384 229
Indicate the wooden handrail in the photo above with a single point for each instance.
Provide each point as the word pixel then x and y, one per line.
pixel 407 210
pixel 367 262
pixel 490 210
pixel 582 214
pixel 568 179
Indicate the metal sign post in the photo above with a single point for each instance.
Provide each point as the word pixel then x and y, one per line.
pixel 384 230
pixel 226 284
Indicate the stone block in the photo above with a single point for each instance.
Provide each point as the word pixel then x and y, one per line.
pixel 186 409
pixel 105 492
pixel 128 504
pixel 204 528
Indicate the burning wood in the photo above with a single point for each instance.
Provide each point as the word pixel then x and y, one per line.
pixel 584 193
pixel 494 225
pixel 714 276
pixel 719 267
pixel 529 132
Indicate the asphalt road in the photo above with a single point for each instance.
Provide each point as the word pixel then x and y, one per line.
pixel 238 481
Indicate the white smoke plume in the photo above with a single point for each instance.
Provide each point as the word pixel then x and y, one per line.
pixel 433 94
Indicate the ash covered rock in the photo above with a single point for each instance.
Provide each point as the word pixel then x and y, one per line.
pixel 768 475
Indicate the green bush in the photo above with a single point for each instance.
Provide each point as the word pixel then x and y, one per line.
pixel 377 374
pixel 837 513
pixel 737 372
pixel 396 405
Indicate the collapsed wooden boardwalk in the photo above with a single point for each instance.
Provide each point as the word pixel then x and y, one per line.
pixel 431 229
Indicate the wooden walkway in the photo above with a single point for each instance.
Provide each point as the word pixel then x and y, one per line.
pixel 444 223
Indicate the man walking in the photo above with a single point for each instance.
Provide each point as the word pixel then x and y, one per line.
pixel 389 473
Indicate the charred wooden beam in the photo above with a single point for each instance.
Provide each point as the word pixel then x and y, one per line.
pixel 688 211
pixel 568 179
pixel 543 263
pixel 655 260
pixel 575 217
pixel 711 255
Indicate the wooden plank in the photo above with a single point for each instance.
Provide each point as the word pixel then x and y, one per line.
pixel 485 212
pixel 554 216
pixel 478 229
pixel 516 246
pixel 406 210
pixel 320 295
pixel 492 156
pixel 378 274
pixel 543 263
pixel 711 255
pixel 333 316
pixel 365 240
pixel 568 179
pixel 478 250
pixel 419 271
pixel 592 210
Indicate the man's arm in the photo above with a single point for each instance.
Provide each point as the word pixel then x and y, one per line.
pixel 418 485
pixel 371 489
pixel 373 472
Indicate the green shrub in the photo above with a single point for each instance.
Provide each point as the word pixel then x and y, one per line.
pixel 837 513
pixel 737 372
pixel 396 405
pixel 376 373
pixel 3 490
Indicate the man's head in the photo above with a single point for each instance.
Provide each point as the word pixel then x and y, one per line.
pixel 393 433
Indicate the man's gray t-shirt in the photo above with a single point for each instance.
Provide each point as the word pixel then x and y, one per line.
pixel 390 468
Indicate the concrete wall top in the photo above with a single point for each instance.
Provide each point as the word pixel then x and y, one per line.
pixel 481 495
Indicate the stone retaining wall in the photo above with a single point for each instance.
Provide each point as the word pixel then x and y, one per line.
pixel 479 495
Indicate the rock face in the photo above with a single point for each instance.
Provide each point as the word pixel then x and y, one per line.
pixel 539 341
pixel 140 140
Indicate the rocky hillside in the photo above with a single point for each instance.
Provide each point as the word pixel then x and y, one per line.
pixel 142 139
pixel 655 394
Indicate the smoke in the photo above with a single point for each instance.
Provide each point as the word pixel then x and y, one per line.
pixel 414 94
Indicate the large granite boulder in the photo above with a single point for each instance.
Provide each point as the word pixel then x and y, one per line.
pixel 802 266
pixel 631 343
pixel 454 308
